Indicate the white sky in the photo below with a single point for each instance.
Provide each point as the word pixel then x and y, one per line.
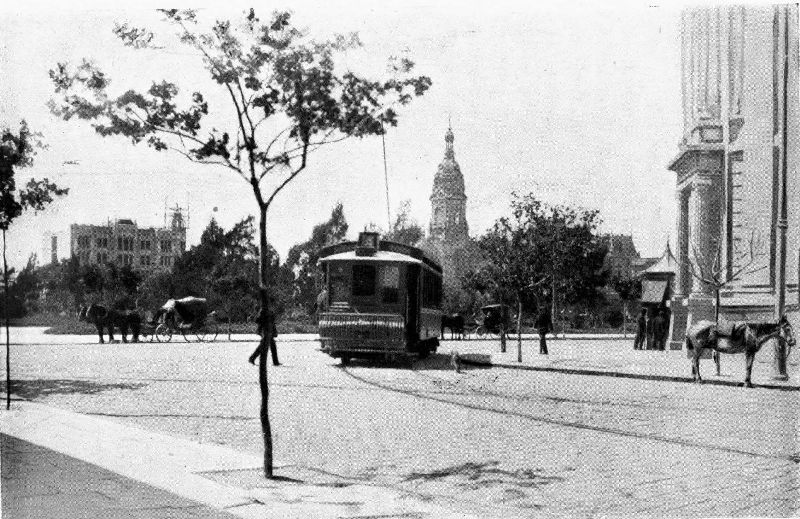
pixel 578 104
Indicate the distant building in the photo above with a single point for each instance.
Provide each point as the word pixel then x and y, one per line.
pixel 738 166
pixel 622 258
pixel 124 243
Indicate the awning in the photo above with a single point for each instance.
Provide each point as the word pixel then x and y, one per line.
pixel 653 291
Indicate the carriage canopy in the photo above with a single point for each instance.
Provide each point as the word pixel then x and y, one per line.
pixel 188 309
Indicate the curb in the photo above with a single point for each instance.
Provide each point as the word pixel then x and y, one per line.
pixel 619 374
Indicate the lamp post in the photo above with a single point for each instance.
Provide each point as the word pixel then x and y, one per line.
pixel 780 306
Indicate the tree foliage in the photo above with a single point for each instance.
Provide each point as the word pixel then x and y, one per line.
pixel 540 247
pixel 17 149
pixel 302 258
pixel 404 228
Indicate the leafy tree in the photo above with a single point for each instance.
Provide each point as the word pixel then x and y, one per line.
pixel 286 99
pixel 539 252
pixel 404 228
pixel 17 148
pixel 302 258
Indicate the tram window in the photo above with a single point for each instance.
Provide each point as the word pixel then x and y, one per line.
pixel 390 283
pixel 431 290
pixel 363 280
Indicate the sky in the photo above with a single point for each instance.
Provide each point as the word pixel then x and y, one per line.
pixel 577 104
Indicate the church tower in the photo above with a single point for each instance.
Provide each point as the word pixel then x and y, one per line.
pixel 448 201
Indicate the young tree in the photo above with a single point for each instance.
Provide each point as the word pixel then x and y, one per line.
pixel 716 274
pixel 629 289
pixel 286 99
pixel 17 148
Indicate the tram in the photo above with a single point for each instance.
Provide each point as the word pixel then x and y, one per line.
pixel 384 299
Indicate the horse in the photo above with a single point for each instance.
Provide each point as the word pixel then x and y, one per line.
pixel 456 324
pixel 103 317
pixel 742 337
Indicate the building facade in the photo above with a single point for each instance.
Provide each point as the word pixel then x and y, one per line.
pixel 738 166
pixel 448 237
pixel 124 243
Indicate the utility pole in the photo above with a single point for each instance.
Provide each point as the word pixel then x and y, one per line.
pixel 780 351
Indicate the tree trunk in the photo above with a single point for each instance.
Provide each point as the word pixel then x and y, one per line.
pixel 519 329
pixel 8 340
pixel 266 335
pixel 624 319
pixel 554 318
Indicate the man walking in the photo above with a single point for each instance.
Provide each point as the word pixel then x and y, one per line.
pixel 266 325
pixel 641 330
pixel 544 325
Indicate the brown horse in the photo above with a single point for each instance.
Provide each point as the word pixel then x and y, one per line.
pixel 744 338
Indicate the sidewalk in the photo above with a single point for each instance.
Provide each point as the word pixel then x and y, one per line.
pixel 60 464
pixel 617 358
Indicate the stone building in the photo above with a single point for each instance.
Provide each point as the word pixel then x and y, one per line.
pixel 738 166
pixel 448 237
pixel 123 243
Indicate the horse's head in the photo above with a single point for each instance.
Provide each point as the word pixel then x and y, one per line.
pixel 787 332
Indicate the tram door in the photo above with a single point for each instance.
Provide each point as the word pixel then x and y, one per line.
pixel 412 303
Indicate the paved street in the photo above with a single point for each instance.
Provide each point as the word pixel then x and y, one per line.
pixel 492 442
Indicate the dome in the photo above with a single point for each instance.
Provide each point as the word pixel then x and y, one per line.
pixel 448 182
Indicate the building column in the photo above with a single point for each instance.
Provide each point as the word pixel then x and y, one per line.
pixel 702 232
pixel 682 282
pixel 681 243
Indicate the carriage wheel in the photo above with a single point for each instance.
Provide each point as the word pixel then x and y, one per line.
pixel 345 360
pixel 481 332
pixel 163 333
pixel 206 333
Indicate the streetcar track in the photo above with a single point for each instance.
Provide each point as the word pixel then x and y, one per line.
pixel 577 425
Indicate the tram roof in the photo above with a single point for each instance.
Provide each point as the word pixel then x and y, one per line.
pixel 378 256
pixel 387 251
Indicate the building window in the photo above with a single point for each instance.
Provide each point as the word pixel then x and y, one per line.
pixel 102 243
pixel 166 246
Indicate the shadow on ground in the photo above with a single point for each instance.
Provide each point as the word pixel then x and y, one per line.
pixel 433 362
pixel 33 389
pixel 474 476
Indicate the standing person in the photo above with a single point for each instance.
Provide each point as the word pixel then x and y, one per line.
pixel 650 324
pixel 266 324
pixel 544 325
pixel 658 331
pixel 641 330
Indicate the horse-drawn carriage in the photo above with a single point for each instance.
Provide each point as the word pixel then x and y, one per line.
pixel 493 320
pixel 189 316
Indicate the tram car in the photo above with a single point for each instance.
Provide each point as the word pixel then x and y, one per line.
pixel 382 299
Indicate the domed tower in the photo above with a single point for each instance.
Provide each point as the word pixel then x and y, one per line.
pixel 448 201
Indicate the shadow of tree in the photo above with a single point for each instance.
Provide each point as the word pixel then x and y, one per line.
pixel 481 475
pixel 32 389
